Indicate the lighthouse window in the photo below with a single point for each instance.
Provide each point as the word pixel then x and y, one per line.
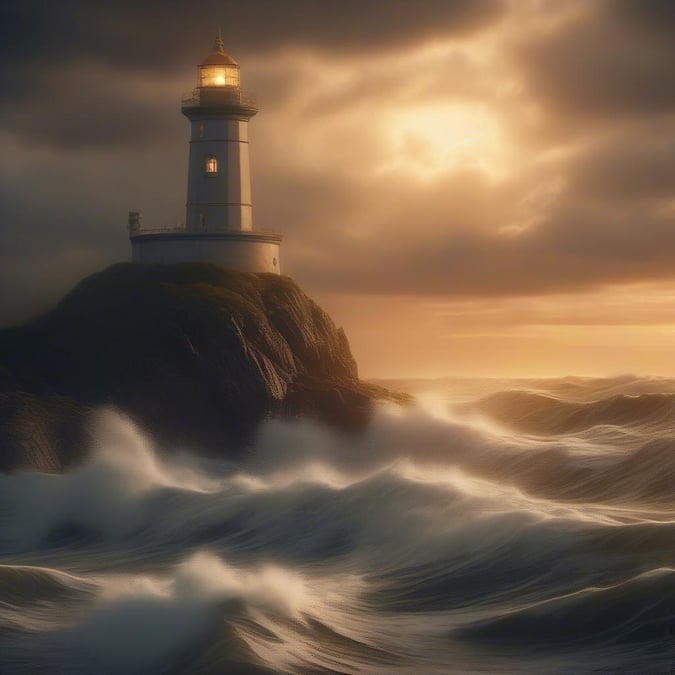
pixel 201 130
pixel 211 165
pixel 219 76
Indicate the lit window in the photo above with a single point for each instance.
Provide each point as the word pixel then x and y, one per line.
pixel 211 165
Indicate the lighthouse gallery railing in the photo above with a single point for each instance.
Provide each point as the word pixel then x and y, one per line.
pixel 226 95
pixel 139 229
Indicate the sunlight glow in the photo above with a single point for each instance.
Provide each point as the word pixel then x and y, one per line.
pixel 432 139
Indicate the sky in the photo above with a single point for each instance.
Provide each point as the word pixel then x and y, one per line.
pixel 468 187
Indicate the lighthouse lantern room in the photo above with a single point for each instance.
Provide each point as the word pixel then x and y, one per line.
pixel 218 219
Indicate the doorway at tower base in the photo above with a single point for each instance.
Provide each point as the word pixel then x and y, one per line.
pixel 244 251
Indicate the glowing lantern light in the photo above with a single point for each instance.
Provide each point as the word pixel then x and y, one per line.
pixel 218 69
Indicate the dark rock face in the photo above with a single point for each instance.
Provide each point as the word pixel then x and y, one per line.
pixel 47 433
pixel 195 353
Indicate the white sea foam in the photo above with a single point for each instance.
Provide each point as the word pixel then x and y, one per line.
pixel 138 622
pixel 103 494
pixel 112 494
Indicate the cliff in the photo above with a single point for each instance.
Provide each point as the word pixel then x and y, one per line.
pixel 196 354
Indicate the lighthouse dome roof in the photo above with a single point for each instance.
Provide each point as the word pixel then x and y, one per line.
pixel 219 58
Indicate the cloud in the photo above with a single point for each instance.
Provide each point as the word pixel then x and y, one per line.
pixel 608 223
pixel 88 106
pixel 162 34
pixel 613 60
pixel 655 17
pixel 629 167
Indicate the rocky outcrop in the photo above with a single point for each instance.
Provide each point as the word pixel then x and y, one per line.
pixel 195 353
pixel 47 433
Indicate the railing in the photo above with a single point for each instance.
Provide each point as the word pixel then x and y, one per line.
pixel 180 228
pixel 214 96
pixel 156 230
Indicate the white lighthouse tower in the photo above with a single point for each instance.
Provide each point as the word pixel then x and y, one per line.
pixel 218 220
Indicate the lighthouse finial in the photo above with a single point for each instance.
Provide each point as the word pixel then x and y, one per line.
pixel 220 45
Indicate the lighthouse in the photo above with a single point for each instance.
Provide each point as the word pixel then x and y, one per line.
pixel 218 225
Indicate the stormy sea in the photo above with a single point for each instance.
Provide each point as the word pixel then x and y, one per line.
pixel 494 526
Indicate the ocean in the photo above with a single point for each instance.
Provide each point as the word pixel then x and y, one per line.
pixel 494 526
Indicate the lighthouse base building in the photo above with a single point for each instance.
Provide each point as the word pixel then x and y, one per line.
pixel 218 224
pixel 245 251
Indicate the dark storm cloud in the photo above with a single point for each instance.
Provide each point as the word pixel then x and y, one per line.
pixel 574 251
pixel 655 17
pixel 633 167
pixel 616 60
pixel 163 34
pixel 88 108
